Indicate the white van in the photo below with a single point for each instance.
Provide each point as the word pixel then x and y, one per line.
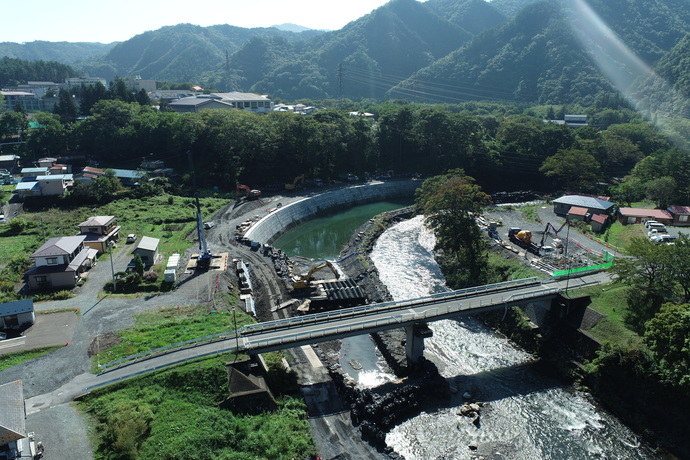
pixel 660 228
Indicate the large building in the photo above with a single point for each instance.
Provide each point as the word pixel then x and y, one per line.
pixel 243 101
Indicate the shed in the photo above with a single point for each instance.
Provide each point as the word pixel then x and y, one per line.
pixel 680 214
pixel 14 315
pixel 12 413
pixel 641 215
pixel 147 250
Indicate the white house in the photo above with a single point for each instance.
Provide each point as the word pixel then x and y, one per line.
pixel 243 101
pixel 60 262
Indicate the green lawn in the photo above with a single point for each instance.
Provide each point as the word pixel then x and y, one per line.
pixel 174 324
pixel 609 300
pixel 12 359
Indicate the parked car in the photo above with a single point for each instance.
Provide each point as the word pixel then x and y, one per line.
pixel 209 225
pixel 650 222
pixel 656 229
pixel 663 238
pixel 2 218
pixel 3 336
pixel 131 238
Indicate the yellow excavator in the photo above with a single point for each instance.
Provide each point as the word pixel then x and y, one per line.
pixel 304 281
pixel 299 180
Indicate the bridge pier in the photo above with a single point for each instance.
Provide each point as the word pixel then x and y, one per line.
pixel 414 344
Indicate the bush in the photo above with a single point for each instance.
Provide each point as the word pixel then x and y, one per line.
pixel 150 276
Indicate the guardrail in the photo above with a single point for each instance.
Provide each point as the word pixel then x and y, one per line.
pixel 374 308
pixel 290 337
pixel 173 347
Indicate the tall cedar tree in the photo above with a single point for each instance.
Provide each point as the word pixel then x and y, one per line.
pixel 449 203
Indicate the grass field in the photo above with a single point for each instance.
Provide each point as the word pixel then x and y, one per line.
pixel 12 359
pixel 174 414
pixel 174 324
pixel 609 300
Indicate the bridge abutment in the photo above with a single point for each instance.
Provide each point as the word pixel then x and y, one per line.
pixel 414 343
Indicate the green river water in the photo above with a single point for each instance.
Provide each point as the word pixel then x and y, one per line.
pixel 324 236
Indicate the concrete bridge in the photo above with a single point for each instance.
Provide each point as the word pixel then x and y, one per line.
pixel 533 293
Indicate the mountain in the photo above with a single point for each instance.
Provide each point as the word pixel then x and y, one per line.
pixel 65 52
pixel 510 8
pixel 474 16
pixel 539 56
pixel 369 55
pixel 287 27
pixel 666 92
pixel 182 52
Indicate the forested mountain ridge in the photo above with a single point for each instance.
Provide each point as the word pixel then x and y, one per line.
pixel 537 56
pixel 409 49
pixel 65 52
pixel 365 57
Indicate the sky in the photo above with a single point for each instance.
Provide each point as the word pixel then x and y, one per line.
pixel 105 22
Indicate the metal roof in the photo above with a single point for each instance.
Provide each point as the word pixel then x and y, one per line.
pixel 17 307
pixel 679 209
pixel 237 96
pixel 585 202
pixel 12 413
pixel 62 245
pixel 148 243
pixel 642 212
pixel 97 221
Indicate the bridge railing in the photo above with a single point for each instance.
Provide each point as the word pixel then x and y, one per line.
pixel 356 311
pixel 289 337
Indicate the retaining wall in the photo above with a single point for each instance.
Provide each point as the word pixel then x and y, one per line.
pixel 273 225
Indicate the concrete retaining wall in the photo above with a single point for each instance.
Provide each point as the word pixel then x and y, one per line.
pixel 281 220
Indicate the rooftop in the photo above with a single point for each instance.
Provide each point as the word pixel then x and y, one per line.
pixel 585 202
pixel 97 221
pixel 148 243
pixel 12 413
pixel 642 212
pixel 58 246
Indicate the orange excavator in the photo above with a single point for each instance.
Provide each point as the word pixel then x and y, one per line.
pixel 245 192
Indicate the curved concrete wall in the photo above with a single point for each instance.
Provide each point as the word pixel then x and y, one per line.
pixel 270 227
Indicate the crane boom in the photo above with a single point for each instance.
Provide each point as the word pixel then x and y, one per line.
pixel 205 256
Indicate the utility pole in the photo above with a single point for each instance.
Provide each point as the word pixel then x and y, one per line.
pixel 112 266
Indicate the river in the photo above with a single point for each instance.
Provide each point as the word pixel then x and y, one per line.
pixel 526 415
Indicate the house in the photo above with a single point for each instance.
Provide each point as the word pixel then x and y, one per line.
pixel 128 177
pixel 99 231
pixel 89 173
pixel 562 205
pixel 9 162
pixel 147 250
pixel 34 172
pixel 639 215
pixel 15 315
pixel 46 162
pixel 578 213
pixel 572 121
pixel 15 442
pixel 681 215
pixel 60 262
pixel 53 185
pixel 598 222
pixel 234 100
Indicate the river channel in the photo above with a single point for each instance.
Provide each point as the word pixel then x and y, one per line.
pixel 526 415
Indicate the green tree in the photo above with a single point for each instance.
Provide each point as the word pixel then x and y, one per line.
pixel 449 203
pixel 138 265
pixel 627 191
pixel 668 337
pixel 661 191
pixel 649 274
pixel 573 168
pixel 65 107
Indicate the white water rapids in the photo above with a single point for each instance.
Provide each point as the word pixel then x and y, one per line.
pixel 527 415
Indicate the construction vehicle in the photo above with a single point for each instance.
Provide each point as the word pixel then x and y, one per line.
pixel 523 238
pixel 245 192
pixel 204 258
pixel 299 180
pixel 304 281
